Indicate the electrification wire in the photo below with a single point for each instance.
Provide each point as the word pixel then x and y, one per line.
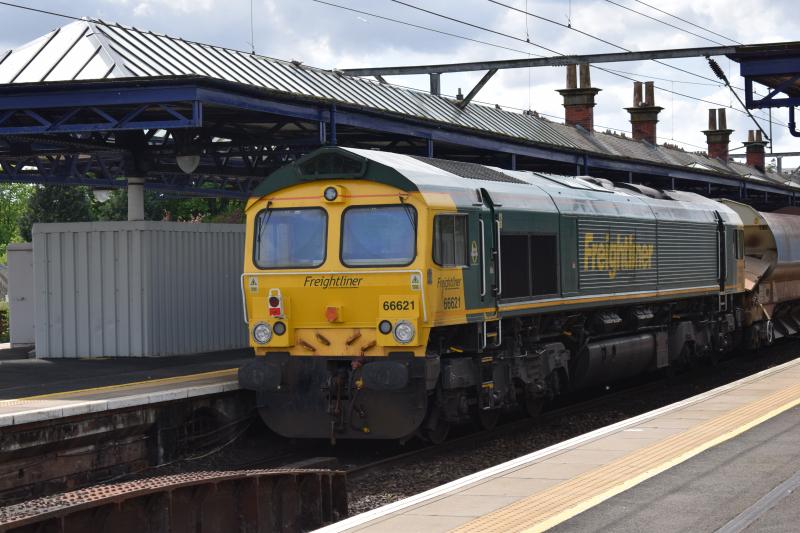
pixel 687 21
pixel 681 29
pixel 569 26
pixel 375 15
pixel 476 26
pixel 99 22
pixel 426 28
pixel 649 77
pixel 727 83
pixel 665 23
pixel 595 37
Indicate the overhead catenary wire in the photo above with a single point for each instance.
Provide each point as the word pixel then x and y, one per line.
pixel 687 21
pixel 426 28
pixel 664 22
pixel 712 63
pixel 605 41
pixel 670 80
pixel 592 36
pixel 730 86
pixel 476 26
pixel 108 24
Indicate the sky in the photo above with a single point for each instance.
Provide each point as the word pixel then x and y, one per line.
pixel 329 37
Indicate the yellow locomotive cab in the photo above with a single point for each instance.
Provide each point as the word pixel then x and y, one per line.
pixel 340 264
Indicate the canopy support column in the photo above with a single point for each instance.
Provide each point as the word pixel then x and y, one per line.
pixel 135 199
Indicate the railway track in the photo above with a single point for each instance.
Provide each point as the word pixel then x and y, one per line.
pixel 311 484
pixel 504 428
pixel 733 367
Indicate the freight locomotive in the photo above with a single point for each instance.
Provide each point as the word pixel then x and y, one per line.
pixel 390 295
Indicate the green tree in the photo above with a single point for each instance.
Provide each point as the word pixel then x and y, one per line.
pixel 116 207
pixel 70 203
pixel 13 203
pixel 160 207
pixel 57 203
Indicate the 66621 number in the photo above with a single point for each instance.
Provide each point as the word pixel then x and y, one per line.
pixel 452 302
pixel 398 305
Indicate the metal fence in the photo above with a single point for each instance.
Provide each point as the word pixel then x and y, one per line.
pixel 128 289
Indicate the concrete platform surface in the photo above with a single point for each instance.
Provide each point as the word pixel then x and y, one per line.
pixel 33 390
pixel 23 377
pixel 710 462
pixel 718 488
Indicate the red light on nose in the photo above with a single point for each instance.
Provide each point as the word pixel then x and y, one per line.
pixel 332 314
pixel 274 301
pixel 274 311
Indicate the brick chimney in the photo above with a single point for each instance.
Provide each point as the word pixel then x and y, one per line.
pixel 718 135
pixel 644 113
pixel 755 149
pixel 579 101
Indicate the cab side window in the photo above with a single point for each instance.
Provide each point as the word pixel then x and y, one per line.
pixel 450 240
pixel 739 243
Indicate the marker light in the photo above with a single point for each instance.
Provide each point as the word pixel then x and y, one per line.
pixel 275 303
pixel 279 328
pixel 404 332
pixel 385 327
pixel 331 194
pixel 262 333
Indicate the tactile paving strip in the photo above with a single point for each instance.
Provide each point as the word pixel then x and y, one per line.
pixel 561 502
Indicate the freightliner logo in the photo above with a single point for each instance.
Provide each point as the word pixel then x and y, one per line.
pixel 333 282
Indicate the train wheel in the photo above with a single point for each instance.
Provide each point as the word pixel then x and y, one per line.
pixel 435 428
pixel 486 419
pixel 533 406
pixel 438 433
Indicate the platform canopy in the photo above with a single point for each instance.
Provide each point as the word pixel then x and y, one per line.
pixel 93 102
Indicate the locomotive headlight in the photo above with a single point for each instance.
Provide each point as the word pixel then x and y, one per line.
pixel 403 332
pixel 385 327
pixel 262 333
pixel 331 194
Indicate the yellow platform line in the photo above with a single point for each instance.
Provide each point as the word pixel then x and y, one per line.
pixel 561 502
pixel 129 386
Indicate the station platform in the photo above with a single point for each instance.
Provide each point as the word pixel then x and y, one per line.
pixel 725 460
pixel 46 389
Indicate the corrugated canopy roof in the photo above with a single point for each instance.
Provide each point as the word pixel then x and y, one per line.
pixel 91 50
pixel 95 50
